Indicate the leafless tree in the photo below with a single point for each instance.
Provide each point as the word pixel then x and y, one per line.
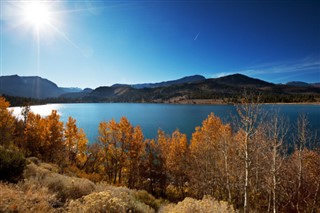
pixel 250 115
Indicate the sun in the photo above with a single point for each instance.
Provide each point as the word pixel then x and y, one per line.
pixel 37 14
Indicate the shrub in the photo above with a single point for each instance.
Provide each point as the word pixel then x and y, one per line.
pixel 113 199
pixel 25 197
pixel 148 199
pixel 12 164
pixel 173 194
pixel 74 170
pixel 206 205
pixel 65 187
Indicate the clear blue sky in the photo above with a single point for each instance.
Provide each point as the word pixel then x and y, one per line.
pixel 94 43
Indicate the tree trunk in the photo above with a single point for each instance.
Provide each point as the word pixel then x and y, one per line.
pixel 274 179
pixel 315 198
pixel 299 179
pixel 226 166
pixel 245 204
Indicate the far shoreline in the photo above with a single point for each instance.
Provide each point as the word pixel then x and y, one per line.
pixel 173 103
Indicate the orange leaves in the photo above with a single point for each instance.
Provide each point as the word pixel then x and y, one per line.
pixel 45 137
pixel 6 123
pixel 82 142
pixel 3 103
pixel 209 133
pixel 177 151
pixel 210 160
pixel 123 147
pixel 75 142
pixel 70 132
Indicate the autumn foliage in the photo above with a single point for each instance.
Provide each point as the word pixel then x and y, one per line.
pixel 247 164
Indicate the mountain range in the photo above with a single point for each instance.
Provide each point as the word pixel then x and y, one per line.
pixel 185 90
pixel 188 79
pixel 32 87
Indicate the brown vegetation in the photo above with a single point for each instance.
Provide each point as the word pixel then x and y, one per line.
pixel 206 205
pixel 247 166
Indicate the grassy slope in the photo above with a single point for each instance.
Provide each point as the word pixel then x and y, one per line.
pixel 45 190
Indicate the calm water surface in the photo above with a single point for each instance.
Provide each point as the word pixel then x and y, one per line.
pixel 167 117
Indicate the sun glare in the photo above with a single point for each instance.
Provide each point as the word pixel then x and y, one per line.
pixel 37 14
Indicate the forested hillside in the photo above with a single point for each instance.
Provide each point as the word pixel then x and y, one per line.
pixel 252 164
pixel 187 90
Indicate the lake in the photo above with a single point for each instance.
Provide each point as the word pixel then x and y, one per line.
pixel 167 117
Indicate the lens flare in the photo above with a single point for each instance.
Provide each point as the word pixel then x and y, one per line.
pixel 37 14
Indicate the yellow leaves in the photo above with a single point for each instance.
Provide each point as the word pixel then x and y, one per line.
pixel 76 142
pixel 82 140
pixel 123 147
pixel 209 134
pixel 103 133
pixel 6 123
pixel 70 132
pixel 125 130
pixel 136 145
pixel 177 151
pixel 4 105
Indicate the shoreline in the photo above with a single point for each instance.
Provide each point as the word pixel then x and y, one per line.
pixel 221 102
pixel 178 103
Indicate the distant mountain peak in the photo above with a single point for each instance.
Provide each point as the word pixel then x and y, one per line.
pixel 242 80
pixel 31 87
pixel 187 79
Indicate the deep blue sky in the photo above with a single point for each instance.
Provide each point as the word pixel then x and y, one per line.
pixel 94 43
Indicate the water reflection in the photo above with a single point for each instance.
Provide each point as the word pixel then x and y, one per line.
pixel 42 110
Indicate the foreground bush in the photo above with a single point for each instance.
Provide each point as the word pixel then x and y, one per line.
pixel 63 186
pixel 25 197
pixel 206 205
pixel 12 164
pixel 111 199
pixel 146 198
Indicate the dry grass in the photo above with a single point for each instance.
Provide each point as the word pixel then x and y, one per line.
pixel 44 190
pixel 63 186
pixel 111 199
pixel 25 198
pixel 206 205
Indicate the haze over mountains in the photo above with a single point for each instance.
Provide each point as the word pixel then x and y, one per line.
pixel 31 87
pixel 187 88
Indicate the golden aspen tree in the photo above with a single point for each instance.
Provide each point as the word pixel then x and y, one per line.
pixel 81 147
pixel 75 142
pixel 122 145
pixel 125 132
pixel 6 123
pixel 153 168
pixel 20 126
pixel 107 141
pixel 70 134
pixel 54 150
pixel 134 157
pixel 177 161
pixel 35 131
pixel 113 139
pixel 162 142
pixel 204 156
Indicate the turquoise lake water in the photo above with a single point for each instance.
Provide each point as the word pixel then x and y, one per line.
pixel 167 117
